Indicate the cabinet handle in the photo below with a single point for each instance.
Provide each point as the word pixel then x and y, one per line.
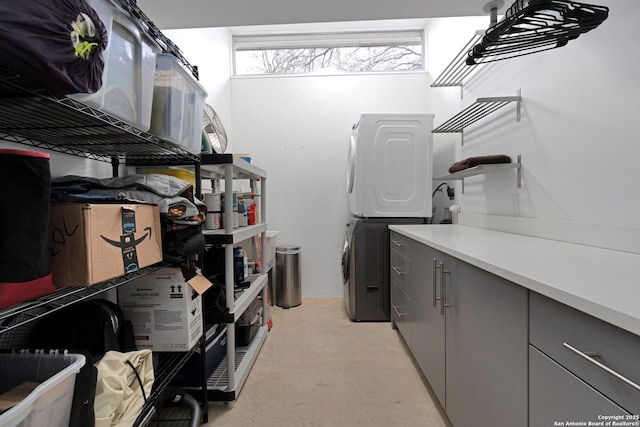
pixel 397 243
pixel 435 281
pixel 443 289
pixel 395 308
pixel 605 368
pixel 398 272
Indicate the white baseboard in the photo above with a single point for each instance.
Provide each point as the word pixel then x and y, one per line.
pixel 608 236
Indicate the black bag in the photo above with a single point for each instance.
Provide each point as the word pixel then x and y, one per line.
pixel 36 42
pixel 25 269
pixel 180 242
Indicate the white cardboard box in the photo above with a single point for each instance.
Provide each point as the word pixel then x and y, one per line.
pixel 165 311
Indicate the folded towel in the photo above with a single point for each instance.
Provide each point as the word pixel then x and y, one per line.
pixel 479 160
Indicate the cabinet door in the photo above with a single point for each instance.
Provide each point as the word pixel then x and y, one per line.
pixel 556 395
pixel 486 348
pixel 400 276
pixel 400 306
pixel 427 332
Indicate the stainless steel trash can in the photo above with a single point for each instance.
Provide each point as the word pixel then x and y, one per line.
pixel 288 278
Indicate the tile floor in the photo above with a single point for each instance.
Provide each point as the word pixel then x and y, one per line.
pixel 317 368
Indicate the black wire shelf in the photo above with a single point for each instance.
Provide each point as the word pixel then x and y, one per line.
pixel 33 116
pixel 165 368
pixel 15 317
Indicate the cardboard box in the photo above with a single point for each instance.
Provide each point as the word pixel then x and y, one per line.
pixel 91 243
pixel 165 311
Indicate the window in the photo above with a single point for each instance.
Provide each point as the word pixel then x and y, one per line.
pixel 354 52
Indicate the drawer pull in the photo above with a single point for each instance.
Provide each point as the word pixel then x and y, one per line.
pixel 395 308
pixel 398 272
pixel 397 243
pixel 436 267
pixel 605 368
pixel 443 289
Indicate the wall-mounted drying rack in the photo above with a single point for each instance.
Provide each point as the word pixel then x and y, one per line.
pixel 458 69
pixel 476 111
pixel 484 169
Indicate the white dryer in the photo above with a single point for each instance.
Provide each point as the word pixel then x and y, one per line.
pixel 390 166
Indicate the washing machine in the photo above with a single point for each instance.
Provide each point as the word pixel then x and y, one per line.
pixel 390 166
pixel 365 267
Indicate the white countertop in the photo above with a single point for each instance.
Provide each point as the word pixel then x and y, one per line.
pixel 601 282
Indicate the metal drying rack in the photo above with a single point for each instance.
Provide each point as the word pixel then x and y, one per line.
pixel 476 111
pixel 457 70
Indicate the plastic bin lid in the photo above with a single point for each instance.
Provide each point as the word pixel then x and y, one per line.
pixel 288 249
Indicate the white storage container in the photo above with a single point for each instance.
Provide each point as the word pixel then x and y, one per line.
pixel 178 100
pixel 127 78
pixel 49 404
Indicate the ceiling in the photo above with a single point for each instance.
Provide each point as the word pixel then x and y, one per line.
pixel 172 14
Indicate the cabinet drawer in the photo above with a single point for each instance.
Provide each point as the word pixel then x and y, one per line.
pixel 554 326
pixel 555 394
pixel 400 271
pixel 399 242
pixel 400 306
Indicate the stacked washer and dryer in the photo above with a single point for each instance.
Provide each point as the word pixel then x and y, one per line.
pixel 388 182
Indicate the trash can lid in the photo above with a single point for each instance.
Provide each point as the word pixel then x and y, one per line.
pixel 288 249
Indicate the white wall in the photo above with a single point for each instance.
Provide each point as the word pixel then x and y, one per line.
pixel 297 129
pixel 578 133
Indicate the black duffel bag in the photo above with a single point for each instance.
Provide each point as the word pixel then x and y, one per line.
pixel 57 44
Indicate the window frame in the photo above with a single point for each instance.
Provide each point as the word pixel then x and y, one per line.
pixel 335 39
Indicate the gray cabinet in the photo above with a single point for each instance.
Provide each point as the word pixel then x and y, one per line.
pixel 486 347
pixel 428 333
pixel 602 356
pixel 468 333
pixel 556 395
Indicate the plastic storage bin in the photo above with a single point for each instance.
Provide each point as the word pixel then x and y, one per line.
pixel 216 350
pixel 49 404
pixel 178 100
pixel 130 61
pixel 248 323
